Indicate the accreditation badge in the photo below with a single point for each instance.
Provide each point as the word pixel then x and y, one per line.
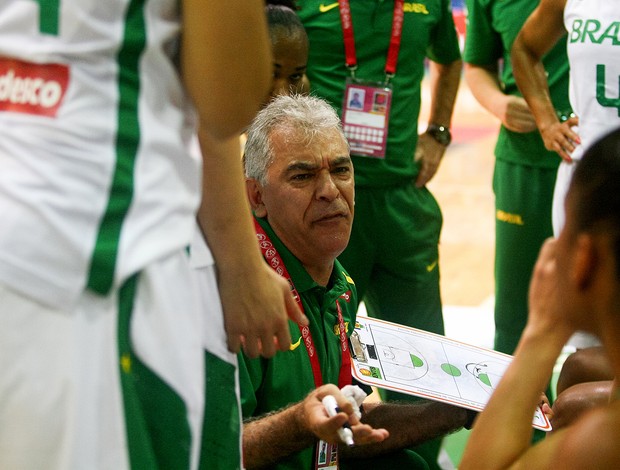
pixel 326 457
pixel 365 115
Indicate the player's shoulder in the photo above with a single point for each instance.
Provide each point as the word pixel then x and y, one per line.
pixel 592 441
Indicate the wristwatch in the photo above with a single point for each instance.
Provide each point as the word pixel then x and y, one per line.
pixel 440 133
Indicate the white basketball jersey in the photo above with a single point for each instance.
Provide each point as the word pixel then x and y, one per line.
pixel 95 177
pixel 594 54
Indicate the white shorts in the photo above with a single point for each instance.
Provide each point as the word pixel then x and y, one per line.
pixel 562 182
pixel 63 403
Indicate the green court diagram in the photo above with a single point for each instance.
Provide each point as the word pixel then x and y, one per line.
pixel 399 358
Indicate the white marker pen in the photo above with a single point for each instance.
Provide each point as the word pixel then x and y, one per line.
pixel 345 433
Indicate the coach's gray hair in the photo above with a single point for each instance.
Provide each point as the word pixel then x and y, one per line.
pixel 309 115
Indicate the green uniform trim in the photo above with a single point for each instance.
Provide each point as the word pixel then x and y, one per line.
pixel 103 263
pixel 158 433
pixel 221 425
pixel 48 16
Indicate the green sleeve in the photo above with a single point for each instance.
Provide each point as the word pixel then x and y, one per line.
pixel 483 45
pixel 444 43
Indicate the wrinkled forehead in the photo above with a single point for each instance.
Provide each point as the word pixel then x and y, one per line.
pixel 287 136
pixel 294 145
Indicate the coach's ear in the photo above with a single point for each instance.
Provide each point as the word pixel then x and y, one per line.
pixel 254 191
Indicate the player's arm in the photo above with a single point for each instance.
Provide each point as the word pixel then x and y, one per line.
pixel 541 31
pixel 501 437
pixel 590 442
pixel 409 424
pixel 502 434
pixel 226 66
pixel 503 430
pixel 512 111
pixel 255 299
pixel 226 61
pixel 444 84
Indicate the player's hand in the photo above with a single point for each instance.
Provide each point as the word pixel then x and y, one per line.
pixel 516 116
pixel 545 406
pixel 257 307
pixel 561 138
pixel 428 153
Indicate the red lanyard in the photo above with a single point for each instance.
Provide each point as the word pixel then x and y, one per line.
pixel 349 39
pixel 273 259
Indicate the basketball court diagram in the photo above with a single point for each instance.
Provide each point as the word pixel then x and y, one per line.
pixel 407 360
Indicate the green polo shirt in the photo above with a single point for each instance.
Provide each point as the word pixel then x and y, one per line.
pixel 428 31
pixel 493 26
pixel 270 384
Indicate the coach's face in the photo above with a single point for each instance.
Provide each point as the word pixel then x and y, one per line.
pixel 309 193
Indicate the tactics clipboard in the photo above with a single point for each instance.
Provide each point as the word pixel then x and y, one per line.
pixel 407 360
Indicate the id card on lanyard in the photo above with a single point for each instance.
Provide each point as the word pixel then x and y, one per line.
pixel 366 104
pixel 326 454
pixel 365 117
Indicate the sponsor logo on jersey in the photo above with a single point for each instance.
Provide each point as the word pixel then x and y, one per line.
pixel 595 31
pixel 433 265
pixel 415 8
pixel 507 217
pixel 294 346
pixel 325 8
pixel 29 88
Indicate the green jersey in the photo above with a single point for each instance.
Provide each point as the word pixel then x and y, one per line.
pixel 271 384
pixel 428 31
pixel 492 27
